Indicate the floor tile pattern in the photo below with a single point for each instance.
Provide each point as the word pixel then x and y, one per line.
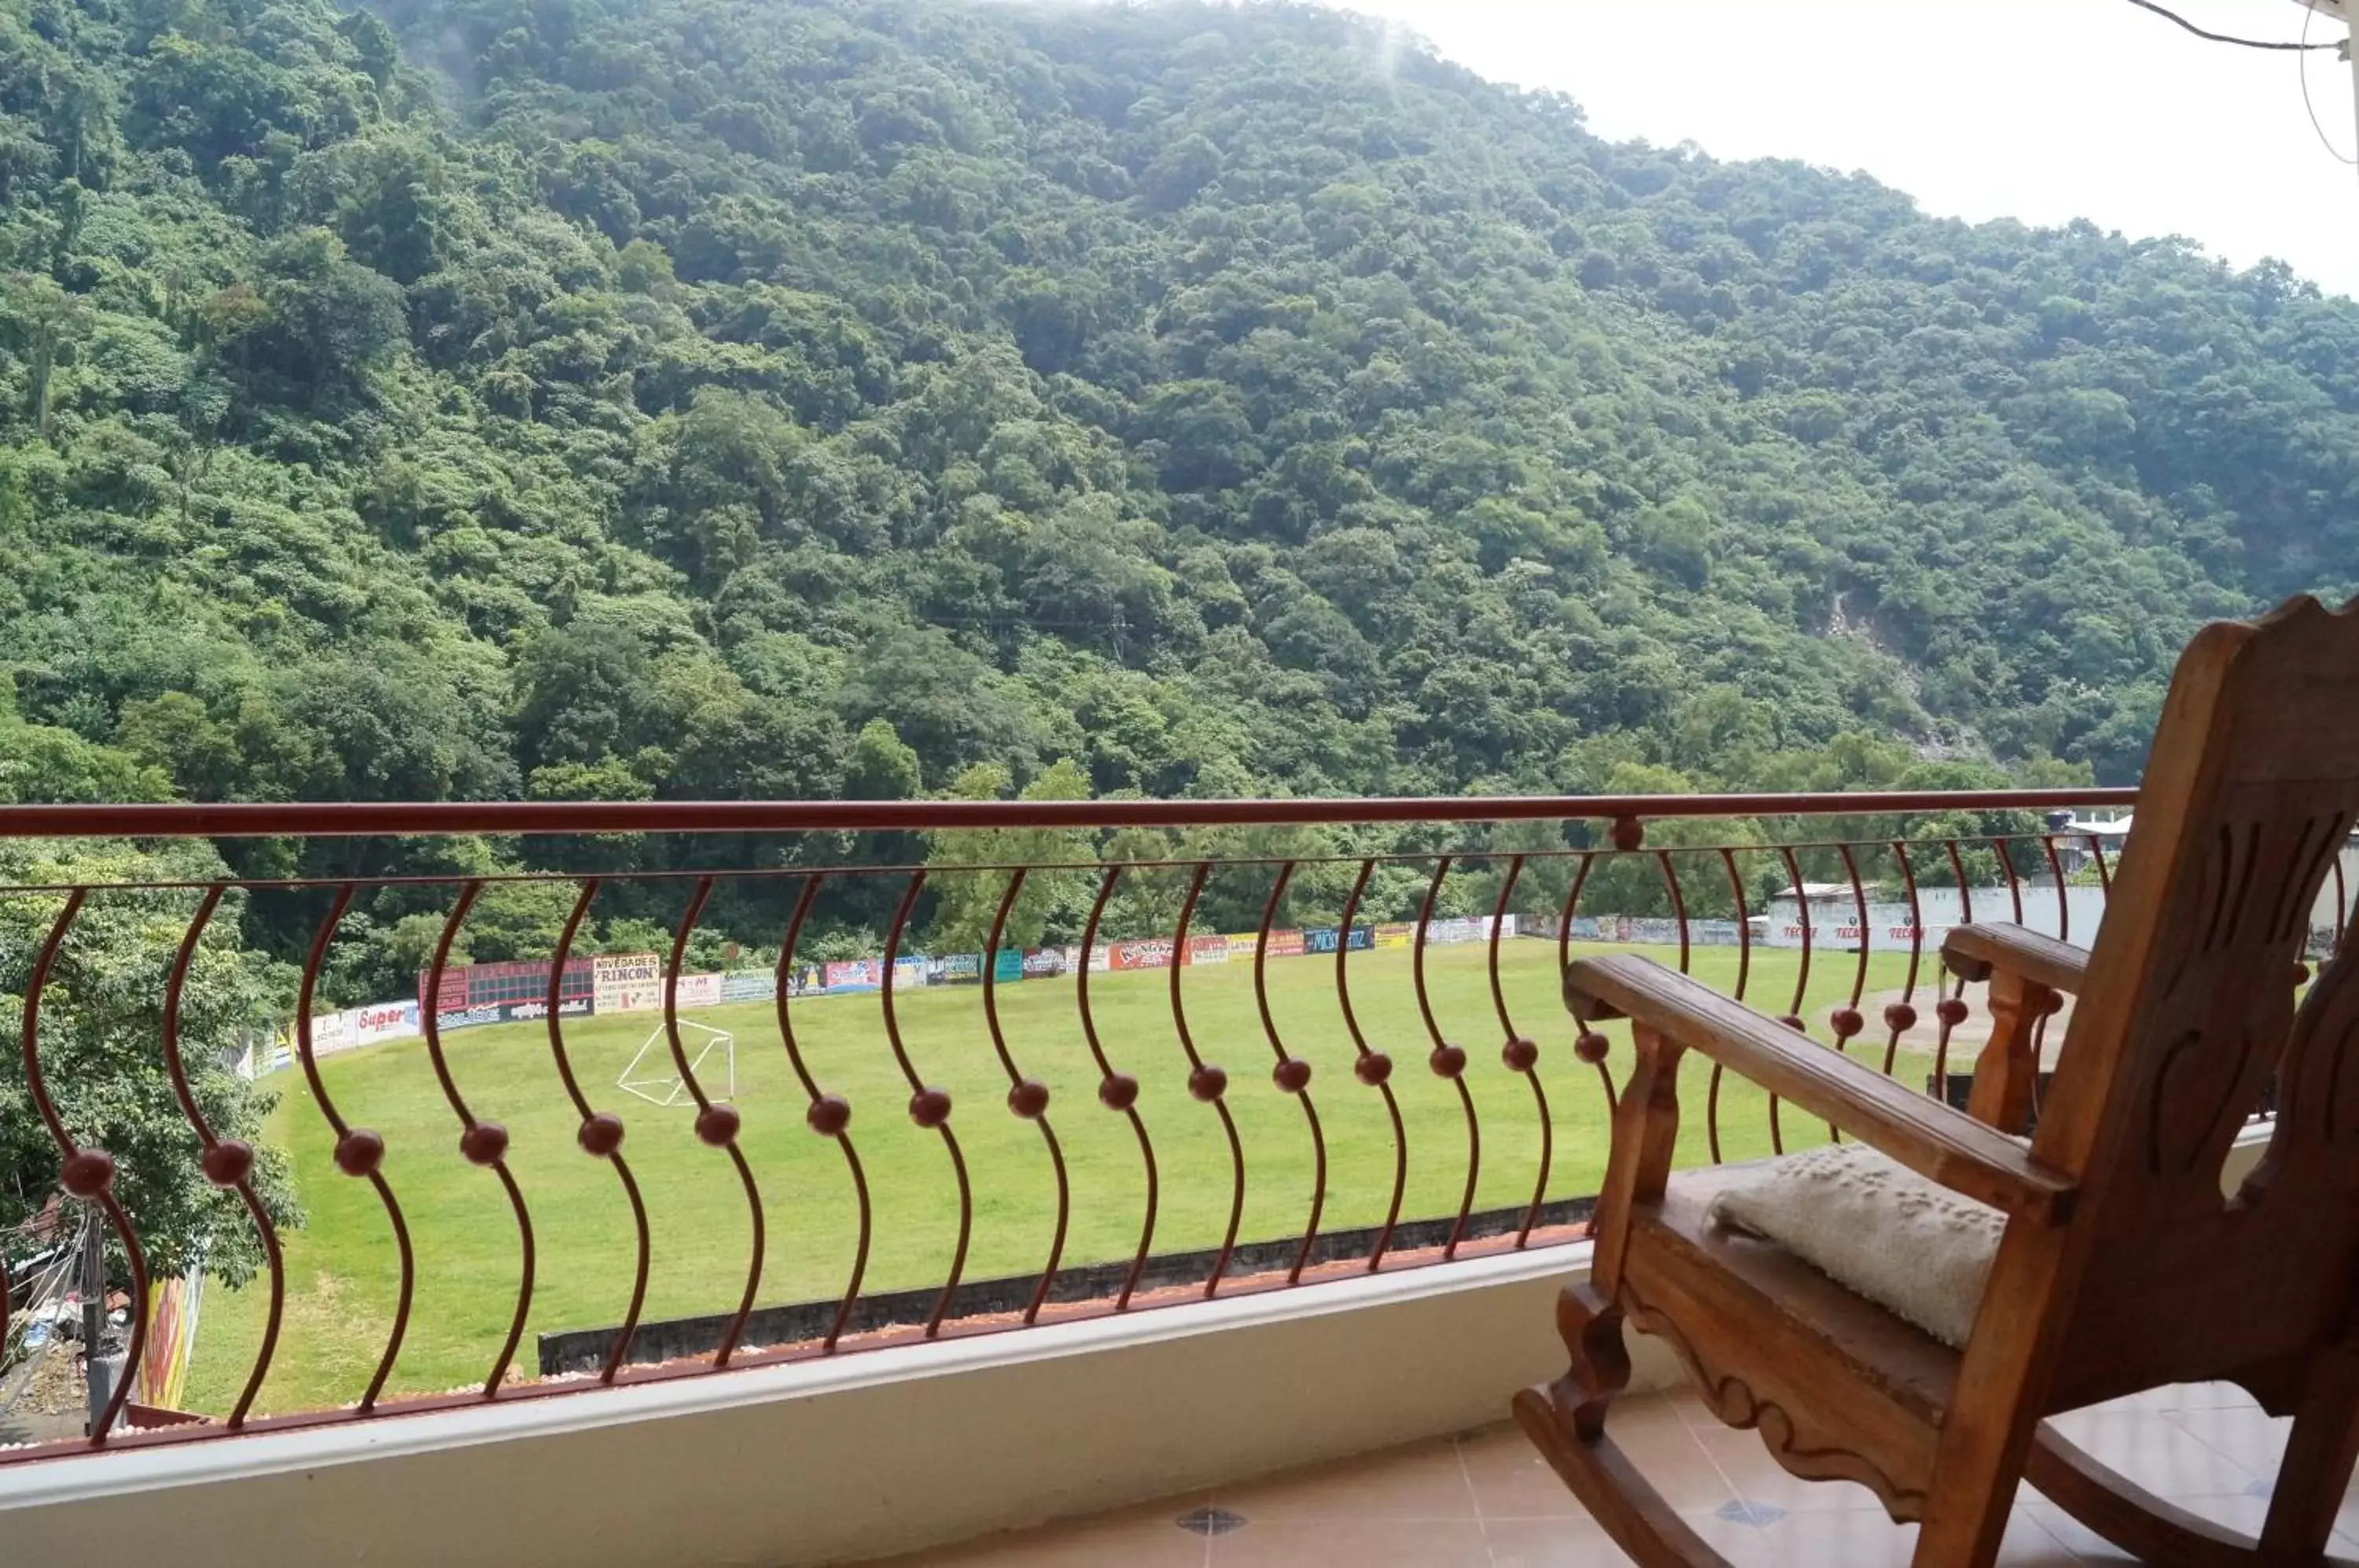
pixel 1484 1499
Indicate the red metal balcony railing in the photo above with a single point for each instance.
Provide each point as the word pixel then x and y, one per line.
pixel 1153 1203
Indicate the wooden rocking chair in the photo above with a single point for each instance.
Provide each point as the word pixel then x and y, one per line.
pixel 2121 1267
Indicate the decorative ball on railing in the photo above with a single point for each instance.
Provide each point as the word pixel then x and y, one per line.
pixel 600 1134
pixel 1293 1075
pixel 1118 1092
pixel 1447 1061
pixel 359 1152
pixel 1208 1082
pixel 1521 1055
pixel 929 1108
pixel 717 1125
pixel 87 1173
pixel 228 1162
pixel 483 1143
pixel 1373 1069
pixel 1629 833
pixel 2300 975
pixel 2054 1005
pixel 1899 1017
pixel 1846 1022
pixel 829 1115
pixel 1952 1011
pixel 1029 1099
pixel 1794 1022
pixel 1592 1047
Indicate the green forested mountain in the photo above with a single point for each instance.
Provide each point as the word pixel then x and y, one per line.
pixel 559 399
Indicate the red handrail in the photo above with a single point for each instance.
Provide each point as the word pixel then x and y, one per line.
pixel 370 818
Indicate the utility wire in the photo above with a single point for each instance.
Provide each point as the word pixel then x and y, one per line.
pixel 2301 63
pixel 2210 36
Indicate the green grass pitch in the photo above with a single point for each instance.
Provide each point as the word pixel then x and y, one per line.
pixel 341 1269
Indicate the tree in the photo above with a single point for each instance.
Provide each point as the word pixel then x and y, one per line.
pixel 102 1015
pixel 967 901
pixel 43 319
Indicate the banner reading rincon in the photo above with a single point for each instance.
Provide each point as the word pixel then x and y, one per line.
pixel 626 983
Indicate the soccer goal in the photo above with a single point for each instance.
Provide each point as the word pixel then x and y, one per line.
pixel 660 1086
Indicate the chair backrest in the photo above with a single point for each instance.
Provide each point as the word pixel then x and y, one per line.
pixel 2187 1011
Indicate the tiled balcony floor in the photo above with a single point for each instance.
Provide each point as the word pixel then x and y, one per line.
pixel 1484 1499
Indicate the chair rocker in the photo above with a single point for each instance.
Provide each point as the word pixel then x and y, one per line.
pixel 2119 1264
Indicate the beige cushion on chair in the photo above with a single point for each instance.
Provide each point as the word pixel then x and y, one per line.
pixel 1876 1228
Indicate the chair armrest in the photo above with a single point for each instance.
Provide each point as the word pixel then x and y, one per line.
pixel 1974 951
pixel 1923 1134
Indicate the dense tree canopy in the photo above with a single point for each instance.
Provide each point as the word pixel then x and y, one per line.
pixel 566 398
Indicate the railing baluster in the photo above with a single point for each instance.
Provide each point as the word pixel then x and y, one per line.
pixel 1520 1053
pixel 1118 1092
pixel 1588 1045
pixel 829 1115
pixel 600 1134
pixel 1793 1017
pixel 1373 1068
pixel 1678 903
pixel 1027 1098
pixel 359 1151
pixel 481 1142
pixel 1845 1023
pixel 1951 1010
pixel 1292 1074
pixel 2063 933
pixel 2014 882
pixel 1208 1082
pixel 717 1123
pixel 1744 976
pixel 2342 902
pixel 928 1107
pixel 87 1174
pixel 1900 1016
pixel 226 1162
pixel 1447 1061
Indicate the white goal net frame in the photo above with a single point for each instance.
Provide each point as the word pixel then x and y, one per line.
pixel 658 1087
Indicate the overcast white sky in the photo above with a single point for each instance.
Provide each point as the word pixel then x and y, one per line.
pixel 2042 110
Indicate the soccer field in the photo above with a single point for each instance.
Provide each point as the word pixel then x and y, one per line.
pixel 340 1269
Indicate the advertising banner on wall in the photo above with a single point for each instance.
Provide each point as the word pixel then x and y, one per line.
pixel 1324 939
pixel 1152 952
pixel 855 974
pixel 1007 964
pixel 1207 950
pixel 533 1012
pixel 1243 945
pixel 1894 928
pixel 384 1020
pixel 763 983
pixel 698 990
pixel 626 983
pixel 955 969
pixel 1396 933
pixel 1044 963
pixel 1286 945
pixel 332 1032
